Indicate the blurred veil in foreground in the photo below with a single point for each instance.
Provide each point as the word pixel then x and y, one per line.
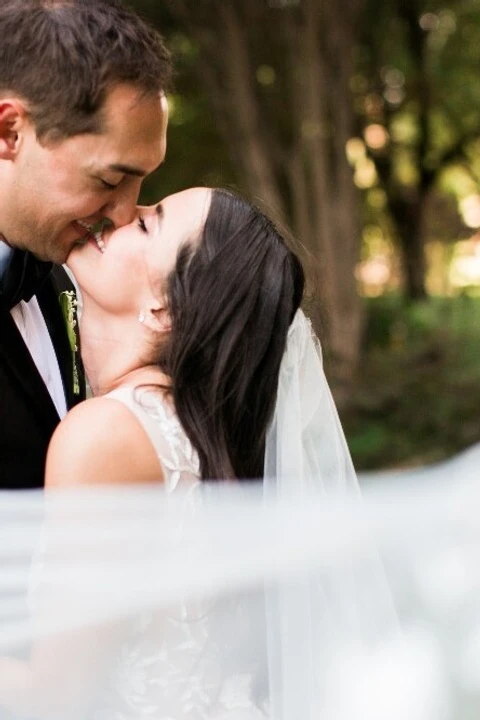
pixel 220 603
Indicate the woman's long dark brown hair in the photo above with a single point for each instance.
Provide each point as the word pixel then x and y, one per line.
pixel 232 298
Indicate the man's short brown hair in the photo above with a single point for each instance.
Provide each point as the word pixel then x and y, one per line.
pixel 62 57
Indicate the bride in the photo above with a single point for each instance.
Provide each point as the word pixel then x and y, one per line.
pixel 195 350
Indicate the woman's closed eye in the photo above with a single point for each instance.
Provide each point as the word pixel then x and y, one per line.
pixel 141 224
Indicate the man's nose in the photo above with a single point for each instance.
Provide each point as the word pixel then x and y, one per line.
pixel 122 207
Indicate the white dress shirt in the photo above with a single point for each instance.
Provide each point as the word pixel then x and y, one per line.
pixel 33 329
pixel 5 253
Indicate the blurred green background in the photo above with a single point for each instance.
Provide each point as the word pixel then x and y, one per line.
pixel 356 124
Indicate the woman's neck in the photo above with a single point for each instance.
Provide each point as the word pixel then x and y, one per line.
pixel 115 353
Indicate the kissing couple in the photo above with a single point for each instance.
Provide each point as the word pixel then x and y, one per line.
pixel 200 360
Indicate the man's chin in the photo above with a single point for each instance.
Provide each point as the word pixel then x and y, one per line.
pixel 55 257
pixel 59 253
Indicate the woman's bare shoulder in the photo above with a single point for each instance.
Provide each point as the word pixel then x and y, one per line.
pixel 101 442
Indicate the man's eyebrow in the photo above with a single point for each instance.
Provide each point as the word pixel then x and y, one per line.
pixel 130 170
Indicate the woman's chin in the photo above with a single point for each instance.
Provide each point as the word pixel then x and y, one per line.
pixel 73 257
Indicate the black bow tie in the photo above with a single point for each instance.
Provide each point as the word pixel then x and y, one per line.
pixel 23 278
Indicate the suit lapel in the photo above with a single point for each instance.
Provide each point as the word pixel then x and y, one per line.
pixel 52 313
pixel 15 355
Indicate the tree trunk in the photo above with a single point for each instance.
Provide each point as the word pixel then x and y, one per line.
pixel 325 122
pixel 409 220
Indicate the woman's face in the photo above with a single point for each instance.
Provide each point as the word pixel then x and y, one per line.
pixel 134 260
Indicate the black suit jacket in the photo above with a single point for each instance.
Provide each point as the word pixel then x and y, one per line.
pixel 28 415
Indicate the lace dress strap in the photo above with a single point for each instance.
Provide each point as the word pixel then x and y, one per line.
pixel 178 458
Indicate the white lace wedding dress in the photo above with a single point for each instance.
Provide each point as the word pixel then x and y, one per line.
pixel 179 665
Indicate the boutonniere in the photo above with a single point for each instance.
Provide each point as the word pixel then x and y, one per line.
pixel 68 303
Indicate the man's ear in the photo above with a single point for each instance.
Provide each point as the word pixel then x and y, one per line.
pixel 12 119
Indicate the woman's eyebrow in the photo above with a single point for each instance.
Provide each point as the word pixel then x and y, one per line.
pixel 159 210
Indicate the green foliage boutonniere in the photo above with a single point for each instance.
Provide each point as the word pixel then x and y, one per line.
pixel 68 303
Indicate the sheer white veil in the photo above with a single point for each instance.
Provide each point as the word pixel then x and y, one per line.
pixel 306 450
pixel 295 599
pixel 314 619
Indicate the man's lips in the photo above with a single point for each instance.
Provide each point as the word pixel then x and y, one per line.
pixel 90 233
pixel 83 230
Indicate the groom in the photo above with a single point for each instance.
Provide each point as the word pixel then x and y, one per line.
pixel 83 120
